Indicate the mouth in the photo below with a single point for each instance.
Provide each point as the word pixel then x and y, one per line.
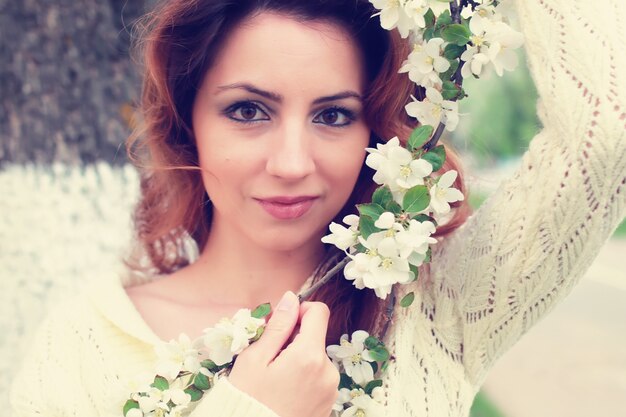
pixel 287 207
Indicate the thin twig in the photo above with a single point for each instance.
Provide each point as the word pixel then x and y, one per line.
pixel 327 276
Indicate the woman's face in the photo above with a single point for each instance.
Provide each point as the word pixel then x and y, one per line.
pixel 278 122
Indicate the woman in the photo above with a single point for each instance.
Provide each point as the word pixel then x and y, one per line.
pixel 275 102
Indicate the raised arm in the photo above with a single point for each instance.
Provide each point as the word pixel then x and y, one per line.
pixel 531 242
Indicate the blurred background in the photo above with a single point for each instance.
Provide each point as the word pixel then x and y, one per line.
pixel 67 89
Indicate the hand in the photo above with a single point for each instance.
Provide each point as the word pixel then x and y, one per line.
pixel 296 380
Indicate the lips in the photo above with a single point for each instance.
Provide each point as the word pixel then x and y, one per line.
pixel 287 207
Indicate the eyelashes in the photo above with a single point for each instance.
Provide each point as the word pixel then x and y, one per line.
pixel 248 112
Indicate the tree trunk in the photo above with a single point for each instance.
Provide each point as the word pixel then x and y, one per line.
pixel 67 82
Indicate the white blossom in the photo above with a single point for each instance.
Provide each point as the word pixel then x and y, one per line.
pixel 229 338
pixel 343 398
pixel 396 167
pixel 441 193
pixel 425 63
pixel 381 266
pixel 343 237
pixel 415 241
pixel 134 412
pixel 364 406
pixel 354 357
pixel 393 14
pixel 492 42
pixel 154 402
pixel 176 356
pixel 434 109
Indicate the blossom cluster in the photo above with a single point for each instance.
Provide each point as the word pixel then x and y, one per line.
pixel 447 47
pixel 185 369
pixel 391 237
pixel 358 359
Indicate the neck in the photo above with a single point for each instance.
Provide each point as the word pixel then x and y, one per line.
pixel 239 272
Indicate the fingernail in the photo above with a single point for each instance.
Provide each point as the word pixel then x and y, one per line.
pixel 287 302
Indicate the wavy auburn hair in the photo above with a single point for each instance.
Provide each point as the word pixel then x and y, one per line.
pixel 179 41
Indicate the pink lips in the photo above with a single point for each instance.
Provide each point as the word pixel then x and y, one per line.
pixel 285 208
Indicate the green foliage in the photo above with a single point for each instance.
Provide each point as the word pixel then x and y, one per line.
pixel 372 210
pixel 261 311
pixel 382 195
pixel 195 393
pixel 451 91
pixel 416 199
pixel 373 384
pixel 366 226
pixel 436 156
pixel 160 383
pixel 501 117
pixel 408 299
pixel 419 137
pixel 201 382
pixel 482 407
pixel 129 405
pixel 457 34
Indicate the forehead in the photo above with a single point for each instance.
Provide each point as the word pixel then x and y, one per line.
pixel 281 52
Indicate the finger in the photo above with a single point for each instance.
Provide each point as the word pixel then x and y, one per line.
pixel 278 329
pixel 313 325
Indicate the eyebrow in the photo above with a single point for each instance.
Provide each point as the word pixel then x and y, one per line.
pixel 279 98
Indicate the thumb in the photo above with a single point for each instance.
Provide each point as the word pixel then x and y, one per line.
pixel 278 328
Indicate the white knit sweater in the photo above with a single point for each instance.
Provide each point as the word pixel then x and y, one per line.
pixel 491 280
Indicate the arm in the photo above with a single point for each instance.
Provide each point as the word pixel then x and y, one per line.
pixel 530 243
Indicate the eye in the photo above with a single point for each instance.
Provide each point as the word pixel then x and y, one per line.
pixel 246 112
pixel 335 116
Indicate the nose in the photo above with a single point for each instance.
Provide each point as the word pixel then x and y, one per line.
pixel 291 153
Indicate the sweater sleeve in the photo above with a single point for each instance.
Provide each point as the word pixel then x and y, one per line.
pixel 226 400
pixel 530 243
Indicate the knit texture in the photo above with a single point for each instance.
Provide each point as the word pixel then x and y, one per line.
pixel 491 280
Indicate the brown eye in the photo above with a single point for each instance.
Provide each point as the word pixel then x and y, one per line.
pixel 330 117
pixel 247 112
pixel 335 117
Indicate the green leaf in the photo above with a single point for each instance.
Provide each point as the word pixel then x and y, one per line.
pixel 457 34
pixel 436 156
pixel 345 381
pixel 373 384
pixel 415 271
pixel 453 51
pixel 393 207
pixel 384 367
pixel 209 364
pixel 450 91
pixel 374 366
pixel 379 354
pixel 129 405
pixel 454 65
pixel 366 226
pixel 259 333
pixel 420 136
pixel 195 393
pixel 372 210
pixel 261 311
pixel 382 196
pixel 423 218
pixel 429 17
pixel 429 34
pixel 372 342
pixel 407 300
pixel 429 254
pixel 201 382
pixel 160 383
pixel 416 199
pixel 444 19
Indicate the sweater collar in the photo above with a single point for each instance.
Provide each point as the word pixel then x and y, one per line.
pixel 110 299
